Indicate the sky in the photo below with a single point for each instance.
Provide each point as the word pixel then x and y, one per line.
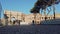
pixel 23 6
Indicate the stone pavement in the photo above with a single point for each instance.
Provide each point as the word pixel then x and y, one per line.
pixel 30 29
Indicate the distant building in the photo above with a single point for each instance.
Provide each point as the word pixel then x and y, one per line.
pixel 27 18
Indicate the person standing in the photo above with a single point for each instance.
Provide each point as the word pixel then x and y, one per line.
pixel 13 20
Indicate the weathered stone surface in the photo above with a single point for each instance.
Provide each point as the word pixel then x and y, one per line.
pixel 31 29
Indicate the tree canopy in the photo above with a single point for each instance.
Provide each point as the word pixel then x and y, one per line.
pixel 42 4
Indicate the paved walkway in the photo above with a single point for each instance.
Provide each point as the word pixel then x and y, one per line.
pixel 31 29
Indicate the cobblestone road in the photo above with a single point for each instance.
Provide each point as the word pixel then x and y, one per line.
pixel 31 29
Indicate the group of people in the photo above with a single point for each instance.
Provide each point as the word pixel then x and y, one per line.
pixel 14 20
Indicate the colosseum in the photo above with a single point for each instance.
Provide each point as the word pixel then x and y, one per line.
pixel 27 19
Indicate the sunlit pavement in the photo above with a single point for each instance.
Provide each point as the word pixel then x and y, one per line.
pixel 30 29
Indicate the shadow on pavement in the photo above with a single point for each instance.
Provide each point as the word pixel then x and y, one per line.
pixel 43 28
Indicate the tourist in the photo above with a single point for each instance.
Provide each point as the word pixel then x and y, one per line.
pixel 13 20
